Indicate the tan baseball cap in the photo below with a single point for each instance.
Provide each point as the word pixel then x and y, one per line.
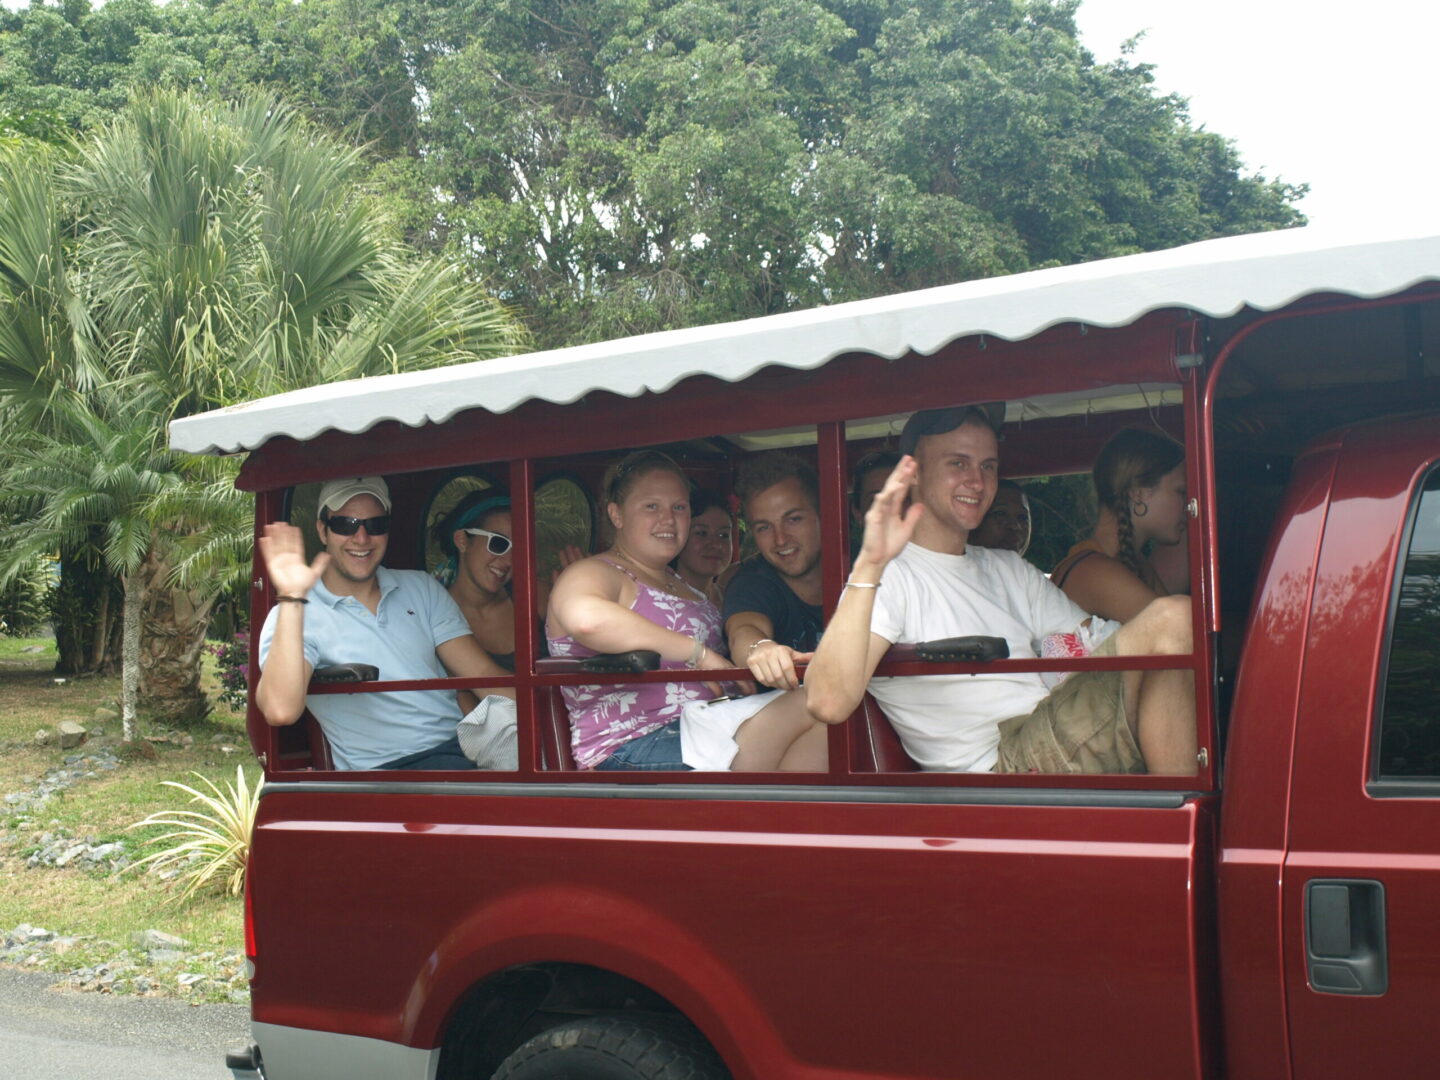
pixel 336 493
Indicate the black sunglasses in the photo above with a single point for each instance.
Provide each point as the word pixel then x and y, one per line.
pixel 349 526
pixel 495 543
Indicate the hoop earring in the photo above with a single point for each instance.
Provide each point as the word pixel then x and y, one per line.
pixel 1138 508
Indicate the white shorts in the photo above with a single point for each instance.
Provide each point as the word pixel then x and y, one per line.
pixel 707 729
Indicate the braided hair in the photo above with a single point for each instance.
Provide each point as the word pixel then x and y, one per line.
pixel 1133 458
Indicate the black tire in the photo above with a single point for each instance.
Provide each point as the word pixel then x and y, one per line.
pixel 616 1048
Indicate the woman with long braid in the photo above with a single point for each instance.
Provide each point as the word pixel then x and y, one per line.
pixel 1140 488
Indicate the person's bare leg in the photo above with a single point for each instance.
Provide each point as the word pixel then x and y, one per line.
pixel 766 736
pixel 1160 705
pixel 810 752
pixel 1166 722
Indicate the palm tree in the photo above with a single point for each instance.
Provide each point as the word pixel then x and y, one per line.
pixel 212 254
pixel 46 363
pixel 92 472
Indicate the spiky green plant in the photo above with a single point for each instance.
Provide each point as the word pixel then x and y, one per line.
pixel 215 842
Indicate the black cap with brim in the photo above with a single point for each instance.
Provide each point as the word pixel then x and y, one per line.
pixel 938 421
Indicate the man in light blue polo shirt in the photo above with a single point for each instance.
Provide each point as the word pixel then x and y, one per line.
pixel 346 608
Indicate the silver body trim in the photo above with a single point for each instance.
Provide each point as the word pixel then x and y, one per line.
pixel 290 1053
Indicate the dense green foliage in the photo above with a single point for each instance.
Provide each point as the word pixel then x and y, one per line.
pixel 24 604
pixel 184 256
pixel 616 166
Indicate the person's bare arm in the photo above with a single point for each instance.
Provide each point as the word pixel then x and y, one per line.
pixel 586 606
pixel 771 663
pixel 1105 586
pixel 849 651
pixel 463 657
pixel 280 693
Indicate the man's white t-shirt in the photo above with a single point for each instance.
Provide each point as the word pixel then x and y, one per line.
pixel 951 722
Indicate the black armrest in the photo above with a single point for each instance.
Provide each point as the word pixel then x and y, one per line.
pixel 973 649
pixel 602 663
pixel 345 673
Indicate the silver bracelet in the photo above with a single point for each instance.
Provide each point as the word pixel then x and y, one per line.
pixel 862 584
pixel 696 654
pixel 762 641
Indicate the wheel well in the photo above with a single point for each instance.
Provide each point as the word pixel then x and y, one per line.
pixel 506 1009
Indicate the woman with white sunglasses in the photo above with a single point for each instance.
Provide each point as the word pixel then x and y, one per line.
pixel 476 538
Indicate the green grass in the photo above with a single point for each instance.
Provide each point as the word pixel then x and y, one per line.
pixel 90 902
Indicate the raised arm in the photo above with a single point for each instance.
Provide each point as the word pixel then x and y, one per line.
pixel 849 651
pixel 280 693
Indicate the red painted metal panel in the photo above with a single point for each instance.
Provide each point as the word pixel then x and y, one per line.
pixel 1337 829
pixel 883 940
pixel 1257 784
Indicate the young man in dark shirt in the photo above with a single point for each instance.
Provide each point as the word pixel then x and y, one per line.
pixel 773 617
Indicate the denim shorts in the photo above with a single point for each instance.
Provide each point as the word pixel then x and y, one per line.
pixel 659 750
pixel 447 755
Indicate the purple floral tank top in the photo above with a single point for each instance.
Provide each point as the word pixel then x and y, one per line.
pixel 602 718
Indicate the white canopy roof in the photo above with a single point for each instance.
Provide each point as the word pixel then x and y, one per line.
pixel 1262 271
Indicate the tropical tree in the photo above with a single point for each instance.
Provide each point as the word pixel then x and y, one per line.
pixel 626 165
pixel 47 363
pixel 205 254
pixel 616 166
pixel 98 467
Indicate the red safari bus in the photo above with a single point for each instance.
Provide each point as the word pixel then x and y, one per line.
pixel 1272 916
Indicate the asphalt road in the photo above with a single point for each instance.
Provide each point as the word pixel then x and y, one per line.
pixel 61 1034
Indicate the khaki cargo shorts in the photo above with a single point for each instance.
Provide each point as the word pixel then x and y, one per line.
pixel 1079 728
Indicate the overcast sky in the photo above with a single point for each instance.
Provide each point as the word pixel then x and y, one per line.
pixel 1338 96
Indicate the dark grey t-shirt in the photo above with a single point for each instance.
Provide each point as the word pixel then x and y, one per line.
pixel 758 586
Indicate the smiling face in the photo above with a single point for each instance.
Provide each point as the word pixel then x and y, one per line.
pixel 708 550
pixel 484 571
pixel 1007 524
pixel 355 558
pixel 1166 516
pixel 786 528
pixel 653 522
pixel 959 471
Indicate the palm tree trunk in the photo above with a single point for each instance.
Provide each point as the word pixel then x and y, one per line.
pixel 130 656
pixel 86 631
pixel 171 642
pixel 102 632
